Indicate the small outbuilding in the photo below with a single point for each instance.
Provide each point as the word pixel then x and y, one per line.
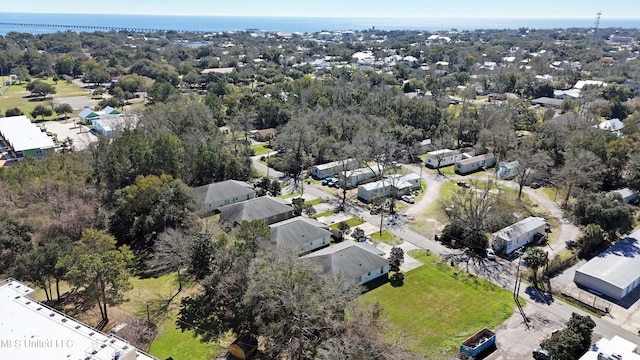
pixel 508 170
pixel 615 272
pixel 627 195
pixel 466 166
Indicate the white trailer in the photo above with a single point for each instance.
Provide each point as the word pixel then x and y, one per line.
pixel 446 157
pixel 330 169
pixel 519 234
pixel 475 163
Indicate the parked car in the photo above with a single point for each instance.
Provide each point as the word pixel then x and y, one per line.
pixel 408 198
pixel 332 184
pixel 326 181
pixel 541 354
pixel 491 255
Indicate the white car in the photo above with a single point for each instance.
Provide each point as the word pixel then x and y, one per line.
pixel 408 198
pixel 491 255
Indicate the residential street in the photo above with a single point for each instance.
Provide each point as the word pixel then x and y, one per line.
pixel 514 339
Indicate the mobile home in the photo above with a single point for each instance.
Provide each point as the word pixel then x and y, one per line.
pixel 519 234
pixel 358 176
pixel 508 170
pixel 475 163
pixel 330 169
pixel 446 157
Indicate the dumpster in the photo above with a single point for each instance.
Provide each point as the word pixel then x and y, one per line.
pixel 479 342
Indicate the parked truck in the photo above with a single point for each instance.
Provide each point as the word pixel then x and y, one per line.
pixel 479 342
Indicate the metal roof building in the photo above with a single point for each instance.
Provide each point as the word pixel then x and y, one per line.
pixel 24 137
pixel 30 330
pixel 616 271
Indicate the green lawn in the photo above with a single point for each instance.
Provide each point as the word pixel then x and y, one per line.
pixel 290 195
pixel 323 214
pixel 314 202
pixel 438 307
pixel 17 96
pixel 172 342
pixel 260 149
pixel 353 222
pixel 386 237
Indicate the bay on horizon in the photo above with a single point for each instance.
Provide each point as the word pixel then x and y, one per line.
pixel 285 24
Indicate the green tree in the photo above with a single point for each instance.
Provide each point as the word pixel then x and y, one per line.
pixel 202 250
pixel 563 345
pixel 63 109
pixel 40 88
pixel 535 259
pixel 67 65
pixel 15 239
pixel 13 112
pixel 161 90
pixel 597 208
pixel 97 75
pixel 593 236
pixel 149 206
pixel 582 325
pixel 396 258
pixel 42 111
pixel 100 268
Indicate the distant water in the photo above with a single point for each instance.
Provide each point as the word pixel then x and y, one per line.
pixel 286 24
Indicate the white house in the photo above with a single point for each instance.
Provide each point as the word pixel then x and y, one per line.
pixel 216 195
pixel 110 125
pixel 613 125
pixel 330 169
pixel 32 331
pixel 475 163
pixel 519 234
pixel 508 170
pixel 614 272
pixel 23 139
pixel 396 185
pixel 86 115
pixel 353 263
pixel 301 234
pixel 446 157
pixel 615 349
pixel 357 176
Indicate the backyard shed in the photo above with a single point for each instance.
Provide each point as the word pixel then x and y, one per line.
pixel 475 163
pixel 508 170
pixel 519 234
pixel 615 272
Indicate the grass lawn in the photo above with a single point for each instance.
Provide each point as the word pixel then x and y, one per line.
pixel 290 195
pixel 438 307
pixel 323 214
pixel 314 202
pixel 353 222
pixel 172 342
pixel 260 149
pixel 17 94
pixel 386 237
pixel 446 170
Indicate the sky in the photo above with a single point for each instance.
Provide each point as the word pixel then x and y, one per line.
pixel 621 9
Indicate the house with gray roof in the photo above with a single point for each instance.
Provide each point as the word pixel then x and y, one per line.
pixel 301 234
pixel 353 263
pixel 614 272
pixel 267 209
pixel 216 195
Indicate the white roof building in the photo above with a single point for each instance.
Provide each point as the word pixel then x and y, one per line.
pixel 30 330
pixel 22 134
pixel 614 349
pixel 615 272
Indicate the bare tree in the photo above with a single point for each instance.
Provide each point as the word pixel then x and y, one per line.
pixel 172 252
pixel 533 164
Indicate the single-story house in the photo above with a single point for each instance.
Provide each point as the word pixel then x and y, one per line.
pixel 223 70
pixel 614 272
pixel 332 168
pixel 547 102
pixel 508 170
pixel 396 185
pixel 353 263
pixel 265 134
pixel 267 209
pixel 216 195
pixel 446 157
pixel 613 125
pixel 615 349
pixel 24 138
pixel 633 85
pixel 357 176
pixel 301 234
pixel 519 234
pixel 110 125
pixel 628 196
pixel 86 115
pixel 475 163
